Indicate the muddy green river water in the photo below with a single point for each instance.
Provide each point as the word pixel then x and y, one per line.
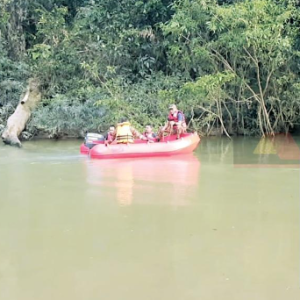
pixel 221 224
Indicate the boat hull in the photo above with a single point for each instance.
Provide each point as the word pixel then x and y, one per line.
pixel 169 147
pixel 84 149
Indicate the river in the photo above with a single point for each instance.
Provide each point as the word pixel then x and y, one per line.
pixel 220 224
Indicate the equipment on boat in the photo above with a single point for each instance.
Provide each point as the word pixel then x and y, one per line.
pixel 91 140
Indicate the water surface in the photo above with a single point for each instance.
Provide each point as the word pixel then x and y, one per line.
pixel 183 228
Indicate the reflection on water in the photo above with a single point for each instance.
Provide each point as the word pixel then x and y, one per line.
pixel 165 180
pixel 279 151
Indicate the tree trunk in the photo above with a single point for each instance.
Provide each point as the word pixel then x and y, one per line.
pixel 17 121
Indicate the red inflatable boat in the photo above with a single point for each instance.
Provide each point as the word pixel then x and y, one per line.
pixel 170 146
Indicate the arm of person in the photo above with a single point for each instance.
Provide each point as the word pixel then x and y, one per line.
pixel 142 137
pixel 135 133
pixel 152 139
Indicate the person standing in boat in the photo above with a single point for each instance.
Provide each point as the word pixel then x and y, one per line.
pixel 176 122
pixel 149 135
pixel 125 133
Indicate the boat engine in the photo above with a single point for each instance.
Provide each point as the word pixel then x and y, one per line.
pixel 92 139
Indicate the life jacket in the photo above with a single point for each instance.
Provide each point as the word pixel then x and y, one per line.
pixel 173 118
pixel 123 133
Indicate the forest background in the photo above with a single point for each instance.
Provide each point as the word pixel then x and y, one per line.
pixel 232 66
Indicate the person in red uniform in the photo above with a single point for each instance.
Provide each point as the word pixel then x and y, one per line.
pixel 110 135
pixel 148 135
pixel 123 133
pixel 176 122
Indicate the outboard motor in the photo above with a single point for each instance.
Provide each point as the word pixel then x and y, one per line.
pixel 92 139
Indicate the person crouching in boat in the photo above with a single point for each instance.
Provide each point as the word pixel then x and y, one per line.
pixel 125 134
pixel 149 135
pixel 110 135
pixel 176 123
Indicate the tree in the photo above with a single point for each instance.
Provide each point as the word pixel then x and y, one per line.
pixel 17 121
pixel 251 39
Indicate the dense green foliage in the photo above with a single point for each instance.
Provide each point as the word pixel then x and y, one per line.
pixel 232 66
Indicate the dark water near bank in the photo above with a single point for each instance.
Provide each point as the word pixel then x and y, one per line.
pixel 220 224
